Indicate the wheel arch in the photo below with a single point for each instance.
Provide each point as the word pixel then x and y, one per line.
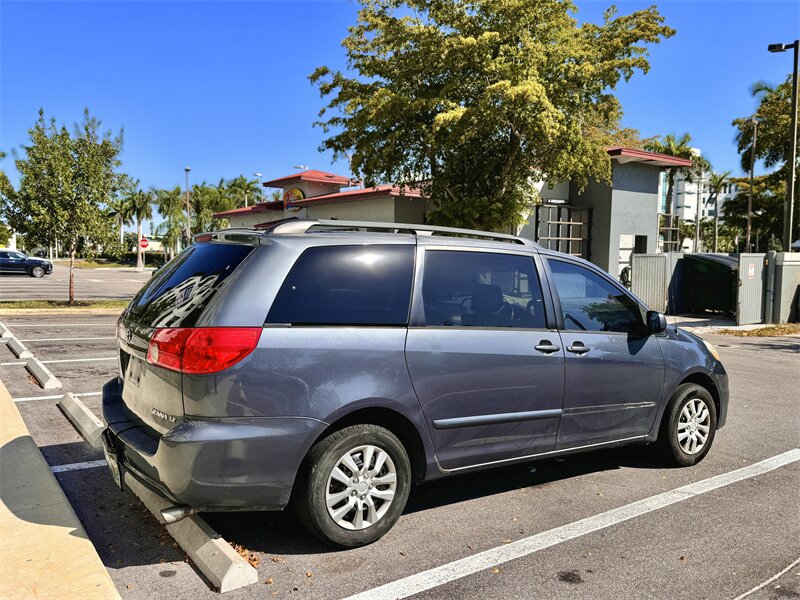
pixel 390 419
pixel 704 381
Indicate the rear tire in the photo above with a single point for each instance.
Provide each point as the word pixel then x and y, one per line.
pixel 688 426
pixel 355 505
pixel 37 272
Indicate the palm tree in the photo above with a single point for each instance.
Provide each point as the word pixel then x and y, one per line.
pixel 245 191
pixel 140 208
pixel 716 183
pixel 170 206
pixel 680 148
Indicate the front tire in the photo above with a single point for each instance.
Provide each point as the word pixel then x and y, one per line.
pixel 37 272
pixel 355 487
pixel 688 426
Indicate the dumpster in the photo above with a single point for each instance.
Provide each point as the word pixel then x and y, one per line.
pixel 710 283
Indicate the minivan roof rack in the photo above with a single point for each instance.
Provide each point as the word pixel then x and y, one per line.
pixel 304 225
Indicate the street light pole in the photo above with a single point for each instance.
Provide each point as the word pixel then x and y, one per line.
pixel 788 209
pixel 754 121
pixel 188 210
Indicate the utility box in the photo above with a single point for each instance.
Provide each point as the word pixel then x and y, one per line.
pixel 786 292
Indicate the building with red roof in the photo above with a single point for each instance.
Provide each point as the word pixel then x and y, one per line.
pixel 603 223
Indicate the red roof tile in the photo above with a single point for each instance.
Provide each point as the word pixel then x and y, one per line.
pixel 311 175
pixel 255 208
pixel 636 155
pixel 360 194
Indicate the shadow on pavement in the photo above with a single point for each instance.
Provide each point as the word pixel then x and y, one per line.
pixel 278 533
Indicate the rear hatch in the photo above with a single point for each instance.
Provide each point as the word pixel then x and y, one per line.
pixel 174 298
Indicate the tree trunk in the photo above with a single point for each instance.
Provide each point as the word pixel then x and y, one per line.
pixel 72 277
pixel 139 263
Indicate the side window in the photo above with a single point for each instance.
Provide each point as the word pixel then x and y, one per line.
pixel 481 289
pixel 590 303
pixel 347 285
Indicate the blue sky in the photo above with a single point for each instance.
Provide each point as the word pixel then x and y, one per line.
pixel 222 86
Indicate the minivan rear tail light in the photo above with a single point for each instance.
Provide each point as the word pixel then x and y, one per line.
pixel 201 350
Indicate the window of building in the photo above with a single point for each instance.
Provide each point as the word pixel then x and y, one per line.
pixel 663 192
pixel 481 289
pixel 589 302
pixel 347 285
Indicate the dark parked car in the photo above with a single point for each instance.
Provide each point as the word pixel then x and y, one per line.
pixel 332 367
pixel 13 261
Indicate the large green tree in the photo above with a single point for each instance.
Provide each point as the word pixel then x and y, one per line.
pixel 66 181
pixel 767 220
pixel 774 114
pixel 475 100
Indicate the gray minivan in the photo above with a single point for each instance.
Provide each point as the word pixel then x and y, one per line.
pixel 331 364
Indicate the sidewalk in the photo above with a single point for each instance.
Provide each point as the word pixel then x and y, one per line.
pixel 710 324
pixel 44 550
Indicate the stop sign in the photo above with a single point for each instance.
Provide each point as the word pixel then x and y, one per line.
pixel 143 243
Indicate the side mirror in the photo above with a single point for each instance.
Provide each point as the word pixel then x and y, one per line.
pixel 656 321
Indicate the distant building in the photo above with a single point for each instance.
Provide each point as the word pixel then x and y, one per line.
pixel 319 195
pixel 684 199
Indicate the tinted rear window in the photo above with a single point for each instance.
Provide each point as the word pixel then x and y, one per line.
pixel 178 294
pixel 347 285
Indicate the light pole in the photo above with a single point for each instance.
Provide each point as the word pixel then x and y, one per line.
pixel 754 121
pixel 788 208
pixel 261 180
pixel 188 211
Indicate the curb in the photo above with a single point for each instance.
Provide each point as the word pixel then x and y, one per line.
pixel 5 332
pixel 47 381
pixel 215 558
pixel 18 348
pixel 83 420
pixel 44 549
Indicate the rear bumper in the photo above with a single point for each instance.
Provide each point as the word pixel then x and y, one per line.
pixel 212 464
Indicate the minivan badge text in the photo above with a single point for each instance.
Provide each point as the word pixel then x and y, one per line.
pixel 162 415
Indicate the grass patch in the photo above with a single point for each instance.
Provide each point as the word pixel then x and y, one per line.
pixel 768 331
pixel 44 304
pixel 98 263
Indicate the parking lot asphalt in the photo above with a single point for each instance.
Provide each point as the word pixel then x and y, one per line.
pixel 89 284
pixel 718 544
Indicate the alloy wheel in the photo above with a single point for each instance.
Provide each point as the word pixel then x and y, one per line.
pixel 694 425
pixel 361 487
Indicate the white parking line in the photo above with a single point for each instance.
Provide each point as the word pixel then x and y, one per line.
pixel 11 364
pixel 768 581
pixel 58 397
pixel 426 580
pixel 74 339
pixel 91 464
pixel 70 360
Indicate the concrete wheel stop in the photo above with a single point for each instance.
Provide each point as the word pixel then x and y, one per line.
pixel 216 559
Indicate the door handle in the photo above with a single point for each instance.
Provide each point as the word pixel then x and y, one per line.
pixel 578 348
pixel 546 347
